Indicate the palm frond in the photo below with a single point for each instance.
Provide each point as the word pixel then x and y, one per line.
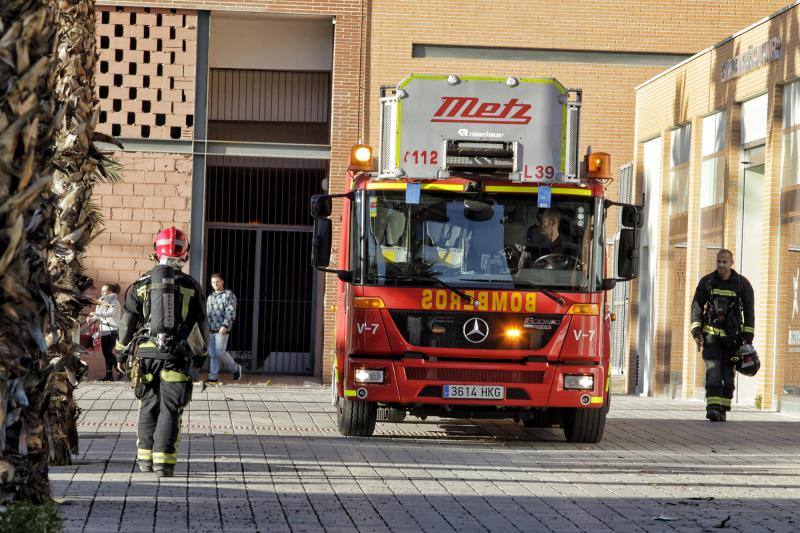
pixel 108 170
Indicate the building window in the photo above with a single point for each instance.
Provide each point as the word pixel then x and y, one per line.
pixel 754 120
pixel 652 184
pixel 787 306
pixel 679 170
pixel 712 173
pixel 790 168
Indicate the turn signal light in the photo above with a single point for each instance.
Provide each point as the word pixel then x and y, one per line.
pixel 364 302
pixel 513 333
pixel 361 158
pixel 584 309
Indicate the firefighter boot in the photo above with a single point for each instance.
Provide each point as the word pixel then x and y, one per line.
pixel 145 466
pixel 164 470
pixel 715 414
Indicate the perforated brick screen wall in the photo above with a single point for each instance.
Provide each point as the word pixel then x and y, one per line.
pixel 146 73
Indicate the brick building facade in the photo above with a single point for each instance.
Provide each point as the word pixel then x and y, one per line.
pixel 170 72
pixel 717 151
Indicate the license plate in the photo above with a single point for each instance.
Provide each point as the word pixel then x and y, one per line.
pixel 474 392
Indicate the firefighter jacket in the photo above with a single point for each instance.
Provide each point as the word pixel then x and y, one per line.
pixel 190 309
pixel 724 307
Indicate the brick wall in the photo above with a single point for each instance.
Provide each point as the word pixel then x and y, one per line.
pixel 682 27
pixel 346 121
pixel 155 193
pixel 146 72
pixel 686 94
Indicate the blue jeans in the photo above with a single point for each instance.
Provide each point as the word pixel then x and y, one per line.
pixel 217 343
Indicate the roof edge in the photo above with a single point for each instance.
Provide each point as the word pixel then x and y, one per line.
pixel 776 14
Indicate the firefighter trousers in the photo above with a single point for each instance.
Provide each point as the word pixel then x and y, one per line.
pixel 164 391
pixel 719 372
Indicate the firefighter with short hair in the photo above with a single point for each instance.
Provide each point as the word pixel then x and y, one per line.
pixel 723 319
pixel 157 343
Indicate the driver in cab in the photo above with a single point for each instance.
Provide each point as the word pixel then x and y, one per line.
pixel 544 242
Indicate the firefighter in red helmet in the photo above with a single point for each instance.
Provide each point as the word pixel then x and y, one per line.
pixel 162 333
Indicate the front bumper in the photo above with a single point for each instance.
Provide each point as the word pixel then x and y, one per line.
pixel 415 383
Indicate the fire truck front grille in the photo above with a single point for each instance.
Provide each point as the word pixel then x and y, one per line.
pixel 475 331
pixel 475 375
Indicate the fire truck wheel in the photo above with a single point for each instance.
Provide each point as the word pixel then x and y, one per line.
pixel 584 425
pixel 356 418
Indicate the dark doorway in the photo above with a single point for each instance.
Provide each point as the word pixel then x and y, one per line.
pixel 258 236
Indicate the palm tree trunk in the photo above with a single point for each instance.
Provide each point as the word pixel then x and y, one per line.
pixel 76 162
pixel 27 37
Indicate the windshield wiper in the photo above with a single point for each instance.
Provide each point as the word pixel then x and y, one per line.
pixel 557 299
pixel 466 297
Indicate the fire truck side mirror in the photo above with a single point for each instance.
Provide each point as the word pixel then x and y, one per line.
pixel 631 216
pixel 628 254
pixel 321 206
pixel 321 243
pixel 608 283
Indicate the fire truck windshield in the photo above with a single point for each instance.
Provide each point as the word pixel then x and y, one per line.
pixel 465 239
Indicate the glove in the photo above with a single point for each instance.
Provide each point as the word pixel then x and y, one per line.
pixel 698 340
pixel 747 338
pixel 696 332
pixel 198 361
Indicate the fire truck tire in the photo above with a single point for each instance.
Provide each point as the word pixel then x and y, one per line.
pixel 356 419
pixel 584 425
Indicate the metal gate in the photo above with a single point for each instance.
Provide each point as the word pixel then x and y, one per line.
pixel 258 237
pixel 620 295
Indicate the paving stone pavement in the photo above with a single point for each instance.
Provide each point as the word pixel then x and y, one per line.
pixel 261 458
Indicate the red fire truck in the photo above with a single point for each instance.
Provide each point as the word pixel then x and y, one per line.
pixel 472 266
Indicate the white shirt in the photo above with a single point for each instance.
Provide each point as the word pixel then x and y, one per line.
pixel 108 315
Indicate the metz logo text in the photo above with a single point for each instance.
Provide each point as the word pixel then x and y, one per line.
pixel 470 109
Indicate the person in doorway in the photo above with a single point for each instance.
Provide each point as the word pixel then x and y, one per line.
pixel 106 316
pixel 162 310
pixel 221 309
pixel 722 320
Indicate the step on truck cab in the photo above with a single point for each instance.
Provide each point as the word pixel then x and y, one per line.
pixel 472 267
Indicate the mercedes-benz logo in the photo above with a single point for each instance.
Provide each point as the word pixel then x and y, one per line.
pixel 476 330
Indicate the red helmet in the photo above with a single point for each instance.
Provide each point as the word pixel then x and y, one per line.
pixel 171 242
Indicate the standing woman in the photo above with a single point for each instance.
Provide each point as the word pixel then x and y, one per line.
pixel 107 317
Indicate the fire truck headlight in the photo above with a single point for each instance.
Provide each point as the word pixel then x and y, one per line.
pixel 513 333
pixel 578 382
pixel 369 375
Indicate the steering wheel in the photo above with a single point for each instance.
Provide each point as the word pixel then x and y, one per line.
pixel 558 261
